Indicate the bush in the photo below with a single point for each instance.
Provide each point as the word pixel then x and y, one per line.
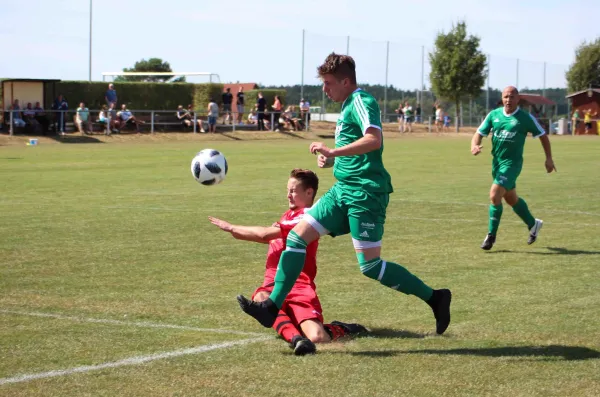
pixel 269 94
pixel 204 92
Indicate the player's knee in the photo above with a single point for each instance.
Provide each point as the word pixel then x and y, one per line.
pixel 317 335
pixel 370 268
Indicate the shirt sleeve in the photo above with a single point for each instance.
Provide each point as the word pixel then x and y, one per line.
pixel 367 113
pixel 485 127
pixel 535 128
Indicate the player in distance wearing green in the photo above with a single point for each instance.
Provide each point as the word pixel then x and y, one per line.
pixel 509 126
pixel 356 204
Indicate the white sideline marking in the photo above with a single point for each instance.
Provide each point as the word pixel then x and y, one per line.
pixel 129 361
pixel 143 324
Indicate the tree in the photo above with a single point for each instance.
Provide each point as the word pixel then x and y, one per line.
pixel 586 68
pixel 150 65
pixel 457 67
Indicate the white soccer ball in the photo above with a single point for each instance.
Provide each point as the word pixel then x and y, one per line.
pixel 209 167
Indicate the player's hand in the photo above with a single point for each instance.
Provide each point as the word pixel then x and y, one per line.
pixel 550 165
pixel 223 225
pixel 321 148
pixel 476 149
pixel 325 162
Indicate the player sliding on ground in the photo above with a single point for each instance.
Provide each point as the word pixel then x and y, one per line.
pixel 356 204
pixel 509 126
pixel 300 320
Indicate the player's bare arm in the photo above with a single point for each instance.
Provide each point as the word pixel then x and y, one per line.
pixel 545 141
pixel 257 234
pixel 368 143
pixel 476 144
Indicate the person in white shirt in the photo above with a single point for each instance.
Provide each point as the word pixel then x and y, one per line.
pixel 305 111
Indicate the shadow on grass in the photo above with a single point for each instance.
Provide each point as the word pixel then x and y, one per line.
pixel 75 139
pixel 393 333
pixel 326 136
pixel 568 353
pixel 553 251
pixel 224 134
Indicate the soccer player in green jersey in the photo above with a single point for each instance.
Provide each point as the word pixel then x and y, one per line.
pixel 509 126
pixel 356 204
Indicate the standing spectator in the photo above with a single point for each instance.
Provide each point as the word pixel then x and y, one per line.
pixel 575 121
pixel 227 100
pixel 408 117
pixel 111 95
pixel 447 121
pixel 213 113
pixel 400 114
pixel 60 117
pixel 587 120
pixel 126 118
pixel 82 119
pixel 418 113
pixel 305 112
pixel 17 117
pixel 439 118
pixel 277 107
pixel 240 105
pixel 41 117
pixel 29 117
pixel 434 111
pixel 261 106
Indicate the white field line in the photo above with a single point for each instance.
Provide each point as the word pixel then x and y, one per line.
pixel 142 324
pixel 137 360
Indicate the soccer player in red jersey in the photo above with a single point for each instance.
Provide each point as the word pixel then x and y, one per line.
pixel 300 320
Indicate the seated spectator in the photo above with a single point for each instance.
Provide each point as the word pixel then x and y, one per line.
pixel 17 117
pixel 114 120
pixel 290 120
pixel 127 118
pixel 82 119
pixel 103 119
pixel 186 118
pixel 199 119
pixel 252 117
pixel 29 118
pixel 41 117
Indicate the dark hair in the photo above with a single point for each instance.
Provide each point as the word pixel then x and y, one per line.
pixel 307 178
pixel 340 66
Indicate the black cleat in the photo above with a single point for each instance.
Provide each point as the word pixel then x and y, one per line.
pixel 440 304
pixel 488 243
pixel 302 346
pixel 534 231
pixel 264 312
pixel 351 328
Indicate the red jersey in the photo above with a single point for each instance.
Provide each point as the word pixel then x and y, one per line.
pixel 276 247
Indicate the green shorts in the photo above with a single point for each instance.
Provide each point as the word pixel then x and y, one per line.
pixel 344 210
pixel 506 175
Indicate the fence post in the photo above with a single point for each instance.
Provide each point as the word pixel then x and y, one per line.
pixel 152 121
pixel 429 124
pixel 11 123
pixel 195 122
pixel 62 121
pixel 234 121
pixel 108 119
pixel 272 124
pixel 307 116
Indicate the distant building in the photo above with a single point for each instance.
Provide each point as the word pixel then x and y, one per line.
pixel 583 101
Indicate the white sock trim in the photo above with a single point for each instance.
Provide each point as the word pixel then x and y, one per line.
pixel 315 224
pixel 359 244
pixel 382 271
pixel 295 250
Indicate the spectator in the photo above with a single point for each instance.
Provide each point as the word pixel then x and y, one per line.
pixel 587 120
pixel 41 117
pixel 277 107
pixel 305 111
pixel 252 117
pixel 127 118
pixel 439 118
pixel 82 119
pixel 114 121
pixel 213 113
pixel 199 119
pixel 400 114
pixel 186 118
pixel 408 117
pixel 241 99
pixel 447 121
pixel 227 100
pixel 575 120
pixel 434 112
pixel 103 119
pixel 29 118
pixel 111 95
pixel 261 107
pixel 418 114
pixel 17 116
pixel 60 105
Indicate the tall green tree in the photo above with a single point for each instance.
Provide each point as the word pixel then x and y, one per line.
pixel 586 68
pixel 458 67
pixel 150 65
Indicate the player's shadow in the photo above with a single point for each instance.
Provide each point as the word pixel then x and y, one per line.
pixel 553 251
pixel 385 333
pixel 552 352
pixel 75 139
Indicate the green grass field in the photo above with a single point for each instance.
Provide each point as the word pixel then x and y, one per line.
pixel 111 272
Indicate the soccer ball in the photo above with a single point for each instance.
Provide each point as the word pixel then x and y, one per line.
pixel 209 167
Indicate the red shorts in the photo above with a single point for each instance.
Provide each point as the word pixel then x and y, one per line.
pixel 301 304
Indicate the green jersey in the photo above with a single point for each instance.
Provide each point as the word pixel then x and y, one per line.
pixel 365 171
pixel 508 134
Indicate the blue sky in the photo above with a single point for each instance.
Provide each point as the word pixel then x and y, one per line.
pixel 261 40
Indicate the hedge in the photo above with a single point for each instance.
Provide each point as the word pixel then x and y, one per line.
pixel 269 95
pixel 203 93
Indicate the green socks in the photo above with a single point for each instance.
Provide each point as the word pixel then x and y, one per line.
pixel 289 268
pixel 522 211
pixel 495 215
